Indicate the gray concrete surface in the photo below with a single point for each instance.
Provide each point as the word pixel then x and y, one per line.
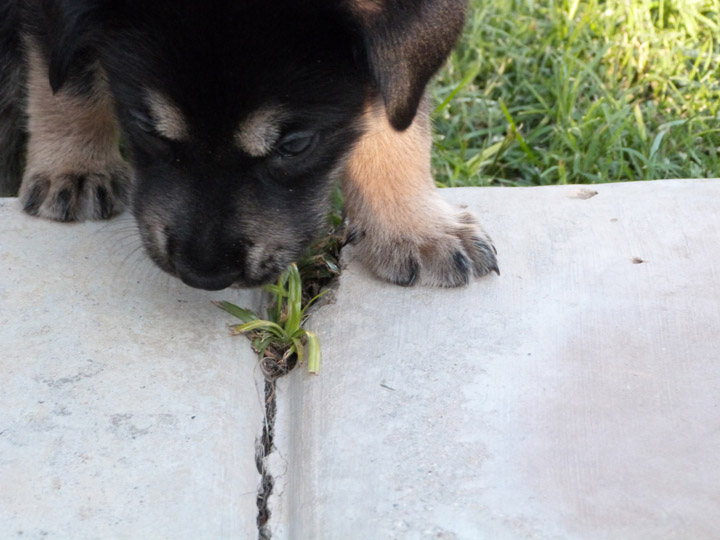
pixel 576 396
pixel 126 411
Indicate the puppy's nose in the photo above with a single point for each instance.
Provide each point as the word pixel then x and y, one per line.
pixel 204 258
pixel 209 282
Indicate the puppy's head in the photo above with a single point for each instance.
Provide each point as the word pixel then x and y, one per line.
pixel 240 114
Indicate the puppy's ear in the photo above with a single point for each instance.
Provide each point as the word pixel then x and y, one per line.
pixel 406 42
pixel 72 28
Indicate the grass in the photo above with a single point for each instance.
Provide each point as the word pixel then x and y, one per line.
pixel 570 91
pixel 280 340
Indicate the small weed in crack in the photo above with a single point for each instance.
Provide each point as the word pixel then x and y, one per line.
pixel 280 340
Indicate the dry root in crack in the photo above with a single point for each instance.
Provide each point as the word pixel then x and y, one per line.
pixel 275 361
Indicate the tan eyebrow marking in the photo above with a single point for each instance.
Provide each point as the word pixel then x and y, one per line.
pixel 167 117
pixel 259 131
pixel 366 7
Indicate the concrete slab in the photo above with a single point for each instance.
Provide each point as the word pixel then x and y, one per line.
pixel 575 396
pixel 127 411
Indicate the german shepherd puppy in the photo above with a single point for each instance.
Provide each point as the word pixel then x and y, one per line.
pixel 239 116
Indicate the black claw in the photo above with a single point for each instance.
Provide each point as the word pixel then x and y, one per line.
pixel 485 246
pixel 461 262
pixel 410 275
pixel 462 266
pixel 64 202
pixel 495 269
pixel 104 203
pixel 79 181
pixel 35 197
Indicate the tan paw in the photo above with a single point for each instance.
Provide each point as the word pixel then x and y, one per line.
pixel 76 196
pixel 447 254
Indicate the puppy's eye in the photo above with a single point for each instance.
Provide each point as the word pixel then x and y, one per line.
pixel 143 121
pixel 295 144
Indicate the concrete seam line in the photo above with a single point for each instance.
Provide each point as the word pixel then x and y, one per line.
pixel 263 448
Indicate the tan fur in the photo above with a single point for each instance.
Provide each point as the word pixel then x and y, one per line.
pixel 168 119
pixel 388 168
pixel 364 8
pixel 407 228
pixel 70 137
pixel 259 132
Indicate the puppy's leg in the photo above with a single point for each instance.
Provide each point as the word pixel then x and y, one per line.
pixel 406 231
pixel 74 169
pixel 12 134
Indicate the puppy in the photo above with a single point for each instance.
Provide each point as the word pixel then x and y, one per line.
pixel 239 116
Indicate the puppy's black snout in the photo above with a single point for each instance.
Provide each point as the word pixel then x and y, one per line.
pixel 210 267
pixel 209 282
pixel 205 258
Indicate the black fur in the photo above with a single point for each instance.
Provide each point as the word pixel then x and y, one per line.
pixel 35 197
pixel 204 207
pixel 12 82
pixel 406 44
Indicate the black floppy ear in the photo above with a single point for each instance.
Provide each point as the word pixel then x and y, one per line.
pixel 72 28
pixel 406 42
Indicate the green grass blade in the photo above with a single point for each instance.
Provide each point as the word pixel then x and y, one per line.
pixel 294 306
pixel 313 352
pixel 277 290
pixel 260 324
pixel 281 293
pixel 312 300
pixel 656 143
pixel 515 131
pixel 642 131
pixel 299 349
pixel 244 315
pixel 467 79
pixel 260 344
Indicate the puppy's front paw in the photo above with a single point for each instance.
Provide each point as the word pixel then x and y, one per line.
pixel 447 254
pixel 76 196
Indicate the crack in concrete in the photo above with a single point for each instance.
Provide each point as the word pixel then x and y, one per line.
pixel 263 449
pixel 272 372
